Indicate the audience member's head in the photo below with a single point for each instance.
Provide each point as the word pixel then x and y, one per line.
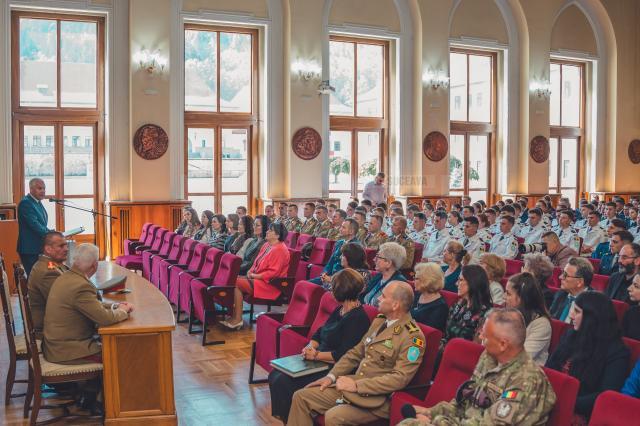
pixel 494 266
pixel 232 222
pixel 473 286
pixel 346 285
pixel 219 223
pixel 577 275
pixel 429 278
pixel 454 254
pixel 629 259
pixel 85 259
pixel 503 334
pixel 540 266
pixel 245 226
pixel 396 300
pixel 523 293
pixel 353 256
pixel 261 226
pixel 390 257
pixel 55 247
pixel 206 219
pixel 241 211
pixel 279 233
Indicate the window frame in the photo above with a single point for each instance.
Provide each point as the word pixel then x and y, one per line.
pixel 570 132
pixel 218 121
pixel 355 123
pixel 58 117
pixel 478 128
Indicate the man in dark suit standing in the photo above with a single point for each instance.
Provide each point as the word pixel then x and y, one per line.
pixel 32 224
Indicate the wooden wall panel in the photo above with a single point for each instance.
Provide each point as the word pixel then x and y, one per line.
pixel 532 198
pixel 8 211
pixel 609 196
pixel 133 214
pixel 8 245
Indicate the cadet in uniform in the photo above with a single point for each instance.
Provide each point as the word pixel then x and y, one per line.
pixel 385 361
pixel 504 244
pixel 375 237
pixel 336 220
pixel 438 239
pixel 419 233
pixel 293 222
pixel 532 233
pixel 506 388
pixel 471 240
pixel 400 236
pixel 46 270
pixel 324 225
pixel 593 234
pixel 310 222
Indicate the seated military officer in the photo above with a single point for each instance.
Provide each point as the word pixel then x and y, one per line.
pixel 507 386
pixel 375 237
pixel 504 243
pixel 564 230
pixel 73 311
pixel 45 271
pixel 592 234
pixel 348 231
pixel 336 221
pixel 420 232
pixel 532 233
pixel 384 361
pixel 438 239
pixel 399 235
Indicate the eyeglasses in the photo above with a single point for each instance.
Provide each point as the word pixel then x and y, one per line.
pixel 564 275
pixel 625 257
pixel 380 257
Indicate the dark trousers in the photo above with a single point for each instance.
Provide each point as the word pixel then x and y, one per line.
pixel 282 387
pixel 28 260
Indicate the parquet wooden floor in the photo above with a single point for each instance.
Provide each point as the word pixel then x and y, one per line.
pixel 210 382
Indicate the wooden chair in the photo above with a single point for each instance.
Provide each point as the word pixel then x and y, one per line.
pixel 43 372
pixel 15 342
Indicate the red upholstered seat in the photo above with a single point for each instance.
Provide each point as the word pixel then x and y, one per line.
pixel 371 311
pixel 595 263
pixel 146 238
pixel 614 409
pixel 424 374
pixel 320 254
pixel 208 270
pixel 186 253
pixel 192 267
pixel 600 282
pixel 301 311
pixel 284 284
pixel 450 297
pixel 417 257
pixel 371 255
pixel 558 328
pixel 620 308
pixel 293 339
pixel 458 362
pixel 566 389
pixel 634 349
pixel 292 239
pixel 163 251
pixel 304 239
pixel 513 267
pixel 134 261
pixel 174 253
pixel 554 281
pixel 206 292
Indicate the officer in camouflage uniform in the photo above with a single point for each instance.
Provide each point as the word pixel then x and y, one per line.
pixel 47 269
pixel 360 216
pixel 324 225
pixel 293 222
pixel 506 388
pixel 338 217
pixel 375 237
pixel 400 236
pixel 310 222
pixel 384 361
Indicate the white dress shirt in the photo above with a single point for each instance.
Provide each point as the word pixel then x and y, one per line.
pixel 504 245
pixel 435 246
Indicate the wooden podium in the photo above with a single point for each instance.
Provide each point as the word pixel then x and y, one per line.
pixel 137 357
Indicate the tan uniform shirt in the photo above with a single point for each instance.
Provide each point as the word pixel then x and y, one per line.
pixel 72 313
pixel 323 229
pixel 309 226
pixel 374 240
pixel 293 224
pixel 409 247
pixel 42 276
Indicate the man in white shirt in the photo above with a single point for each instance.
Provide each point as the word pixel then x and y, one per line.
pixel 494 226
pixel 419 233
pixel 593 234
pixel 505 244
pixel 375 191
pixel 438 239
pixel 585 209
pixel 564 230
pixel 532 233
pixel 610 214
pixel 470 240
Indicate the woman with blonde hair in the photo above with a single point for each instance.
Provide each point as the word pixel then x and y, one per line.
pixel 495 267
pixel 454 257
pixel 429 307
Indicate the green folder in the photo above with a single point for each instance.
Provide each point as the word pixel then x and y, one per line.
pixel 296 366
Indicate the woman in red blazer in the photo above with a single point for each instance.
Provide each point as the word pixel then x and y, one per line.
pixel 272 262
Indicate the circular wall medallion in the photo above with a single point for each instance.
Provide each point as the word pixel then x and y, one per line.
pixel 306 143
pixel 435 146
pixel 539 149
pixel 634 151
pixel 150 142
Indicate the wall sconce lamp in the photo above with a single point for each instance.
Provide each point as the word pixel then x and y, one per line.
pixel 542 89
pixel 152 62
pixel 306 70
pixel 435 79
pixel 325 88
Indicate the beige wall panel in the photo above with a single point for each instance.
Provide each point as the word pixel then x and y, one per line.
pixel 375 13
pixel 480 19
pixel 255 7
pixel 572 31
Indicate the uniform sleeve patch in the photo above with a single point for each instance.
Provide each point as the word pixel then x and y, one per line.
pixel 503 410
pixel 418 342
pixel 510 395
pixel 413 354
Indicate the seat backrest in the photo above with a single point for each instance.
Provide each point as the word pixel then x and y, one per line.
pixel 321 251
pixel 417 254
pixel 371 255
pixel 158 239
pixel 458 362
pixel 450 297
pixel 294 259
pixel 228 270
pixel 328 304
pixel 167 243
pixel 29 331
pixel 600 282
pixel 566 389
pixel 198 257
pixel 304 302
pixel 7 309
pixel 554 281
pixel 613 408
pixel 634 348
pixel 153 229
pixel 431 344
pixel 188 248
pixel 211 263
pixel 145 231
pixel 371 311
pixel 513 267
pixel 292 239
pixel 620 308
pixel 558 328
pixel 176 247
pixel 304 239
pixel 595 263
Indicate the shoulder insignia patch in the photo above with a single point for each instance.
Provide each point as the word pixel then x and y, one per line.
pixel 418 342
pixel 511 395
pixel 503 410
pixel 411 327
pixel 51 265
pixel 397 329
pixel 380 316
pixel 413 354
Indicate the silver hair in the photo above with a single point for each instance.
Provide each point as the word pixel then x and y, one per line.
pixel 539 265
pixel 33 182
pixel 403 293
pixel 394 252
pixel 510 325
pixel 85 256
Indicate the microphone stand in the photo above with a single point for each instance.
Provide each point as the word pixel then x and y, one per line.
pixel 92 211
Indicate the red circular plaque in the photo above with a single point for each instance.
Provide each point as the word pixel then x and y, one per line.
pixel 150 142
pixel 634 151
pixel 539 149
pixel 306 143
pixel 435 146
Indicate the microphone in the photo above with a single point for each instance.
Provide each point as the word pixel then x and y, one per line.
pixel 56 200
pixel 408 412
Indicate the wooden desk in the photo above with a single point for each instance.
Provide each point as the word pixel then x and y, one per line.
pixel 138 363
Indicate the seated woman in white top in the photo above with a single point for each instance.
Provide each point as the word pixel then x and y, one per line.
pixel 524 293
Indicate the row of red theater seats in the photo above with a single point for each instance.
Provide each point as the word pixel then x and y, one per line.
pixel 285 334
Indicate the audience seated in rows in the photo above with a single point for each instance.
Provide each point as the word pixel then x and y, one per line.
pixel 628 265
pixel 539 265
pixel 190 223
pixel 495 267
pixel 429 307
pixel 348 231
pixel 454 257
pixel 204 233
pixel 574 280
pixel 388 260
pixel 249 252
